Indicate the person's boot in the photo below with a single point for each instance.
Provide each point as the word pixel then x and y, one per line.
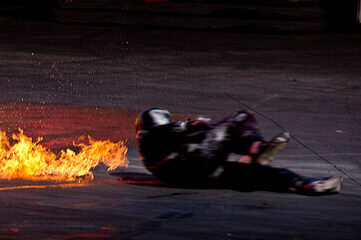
pixel 319 186
pixel 267 151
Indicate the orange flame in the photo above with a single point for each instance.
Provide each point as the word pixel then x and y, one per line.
pixel 22 158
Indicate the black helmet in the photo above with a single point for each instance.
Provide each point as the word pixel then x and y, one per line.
pixel 151 118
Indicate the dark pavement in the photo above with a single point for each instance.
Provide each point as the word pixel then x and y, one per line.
pixel 66 80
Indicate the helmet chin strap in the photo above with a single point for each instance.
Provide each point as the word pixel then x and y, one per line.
pixel 293 137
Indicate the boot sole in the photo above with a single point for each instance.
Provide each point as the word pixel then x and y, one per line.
pixel 332 185
pixel 276 145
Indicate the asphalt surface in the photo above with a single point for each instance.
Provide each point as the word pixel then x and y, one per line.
pixel 66 79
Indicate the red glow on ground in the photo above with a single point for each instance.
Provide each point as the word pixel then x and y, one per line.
pixel 86 204
pixel 109 228
pixel 141 182
pixel 84 235
pixel 11 229
pixel 66 185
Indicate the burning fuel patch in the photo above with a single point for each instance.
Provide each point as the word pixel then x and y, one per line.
pixel 23 158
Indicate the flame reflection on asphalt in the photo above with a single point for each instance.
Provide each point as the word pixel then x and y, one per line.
pixel 65 185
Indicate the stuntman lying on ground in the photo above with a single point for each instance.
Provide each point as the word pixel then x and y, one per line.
pixel 193 152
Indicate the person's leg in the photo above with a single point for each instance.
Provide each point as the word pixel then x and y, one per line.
pixel 269 150
pixel 257 177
